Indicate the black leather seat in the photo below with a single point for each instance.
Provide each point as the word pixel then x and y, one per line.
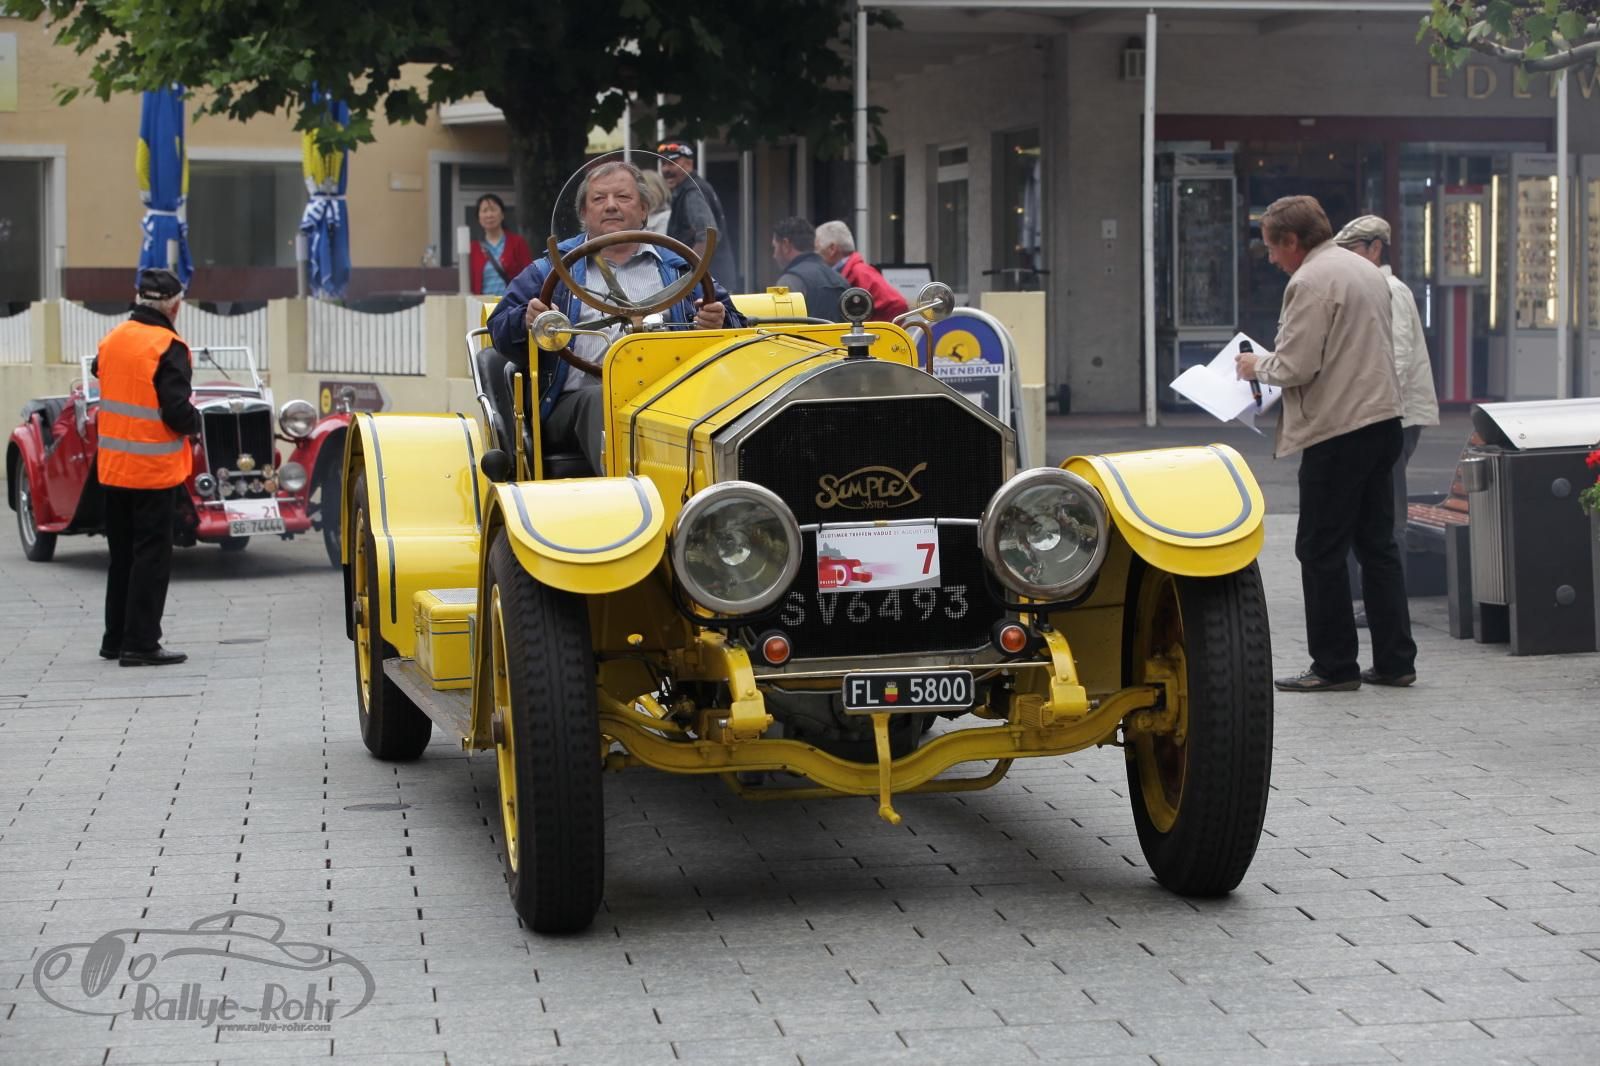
pixel 48 409
pixel 491 372
pixel 496 372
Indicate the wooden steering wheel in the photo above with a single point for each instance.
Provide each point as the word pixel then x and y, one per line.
pixel 626 310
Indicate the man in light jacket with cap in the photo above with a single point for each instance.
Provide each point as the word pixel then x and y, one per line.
pixel 1368 237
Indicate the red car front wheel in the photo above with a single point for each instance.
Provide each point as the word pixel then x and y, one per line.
pixel 38 547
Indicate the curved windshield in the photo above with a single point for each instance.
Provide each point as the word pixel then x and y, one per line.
pixel 614 192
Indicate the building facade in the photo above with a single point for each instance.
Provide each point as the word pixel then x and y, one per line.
pixel 1015 154
pixel 1015 142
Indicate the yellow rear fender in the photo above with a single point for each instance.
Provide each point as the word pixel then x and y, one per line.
pixel 1190 511
pixel 777 302
pixel 426 499
pixel 586 535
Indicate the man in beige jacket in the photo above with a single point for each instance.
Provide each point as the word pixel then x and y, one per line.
pixel 1341 408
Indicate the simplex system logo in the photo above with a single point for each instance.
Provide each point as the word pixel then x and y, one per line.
pixel 232 969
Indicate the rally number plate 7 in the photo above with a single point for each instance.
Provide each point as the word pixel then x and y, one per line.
pixel 921 690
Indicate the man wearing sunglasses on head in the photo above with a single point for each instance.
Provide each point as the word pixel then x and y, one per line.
pixel 696 207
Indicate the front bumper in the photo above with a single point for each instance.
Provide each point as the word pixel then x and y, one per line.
pixel 211 522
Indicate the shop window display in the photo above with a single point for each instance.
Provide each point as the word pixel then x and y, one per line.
pixel 1536 265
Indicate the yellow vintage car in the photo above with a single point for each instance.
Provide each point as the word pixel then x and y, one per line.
pixel 805 552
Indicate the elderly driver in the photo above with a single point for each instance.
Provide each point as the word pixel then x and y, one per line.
pixel 611 199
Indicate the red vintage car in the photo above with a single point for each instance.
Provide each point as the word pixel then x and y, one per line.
pixel 241 484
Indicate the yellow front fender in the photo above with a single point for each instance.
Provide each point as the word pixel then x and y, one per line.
pixel 587 535
pixel 1190 511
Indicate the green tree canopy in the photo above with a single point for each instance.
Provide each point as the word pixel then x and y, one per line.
pixel 1537 35
pixel 747 70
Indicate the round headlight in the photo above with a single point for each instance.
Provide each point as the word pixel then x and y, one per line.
pixel 292 476
pixel 296 418
pixel 736 548
pixel 205 484
pixel 1045 533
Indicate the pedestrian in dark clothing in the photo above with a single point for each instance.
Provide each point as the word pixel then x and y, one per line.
pixel 143 456
pixel 802 270
pixel 1341 407
pixel 695 208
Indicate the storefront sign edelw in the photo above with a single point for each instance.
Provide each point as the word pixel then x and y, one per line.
pixel 1503 83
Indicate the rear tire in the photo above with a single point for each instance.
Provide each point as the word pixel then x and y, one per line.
pixel 547 747
pixel 234 544
pixel 1199 805
pixel 38 547
pixel 392 727
pixel 331 498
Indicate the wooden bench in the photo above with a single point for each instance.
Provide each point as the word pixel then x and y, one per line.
pixel 1437 547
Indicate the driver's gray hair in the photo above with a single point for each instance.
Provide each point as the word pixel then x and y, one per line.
pixel 167 306
pixel 837 234
pixel 603 170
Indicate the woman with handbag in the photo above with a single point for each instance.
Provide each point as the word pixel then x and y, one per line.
pixel 499 255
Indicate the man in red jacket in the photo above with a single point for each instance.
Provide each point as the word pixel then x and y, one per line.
pixel 838 249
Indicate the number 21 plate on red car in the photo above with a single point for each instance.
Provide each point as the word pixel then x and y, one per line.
pixel 248 517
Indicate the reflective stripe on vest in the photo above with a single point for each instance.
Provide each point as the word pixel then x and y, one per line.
pixel 137 449
pixel 132 410
pixel 142 447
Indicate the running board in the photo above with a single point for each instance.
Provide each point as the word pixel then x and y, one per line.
pixel 450 708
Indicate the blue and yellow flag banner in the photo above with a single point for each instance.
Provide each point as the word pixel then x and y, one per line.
pixel 161 164
pixel 326 222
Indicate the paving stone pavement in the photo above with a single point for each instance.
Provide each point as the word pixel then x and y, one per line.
pixel 1428 889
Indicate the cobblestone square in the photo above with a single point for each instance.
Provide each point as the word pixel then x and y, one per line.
pixel 1426 891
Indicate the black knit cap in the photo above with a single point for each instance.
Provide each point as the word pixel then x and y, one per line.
pixel 159 283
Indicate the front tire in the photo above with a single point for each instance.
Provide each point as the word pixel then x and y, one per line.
pixel 1199 794
pixel 392 727
pixel 547 747
pixel 38 547
pixel 234 544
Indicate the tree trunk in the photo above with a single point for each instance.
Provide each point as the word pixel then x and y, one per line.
pixel 545 150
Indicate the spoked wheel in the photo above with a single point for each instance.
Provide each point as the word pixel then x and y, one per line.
pixel 547 747
pixel 392 727
pixel 1198 781
pixel 38 547
pixel 330 495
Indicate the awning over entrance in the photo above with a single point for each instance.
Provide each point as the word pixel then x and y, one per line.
pixel 941 32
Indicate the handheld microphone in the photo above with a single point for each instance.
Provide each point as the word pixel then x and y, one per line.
pixel 1255 386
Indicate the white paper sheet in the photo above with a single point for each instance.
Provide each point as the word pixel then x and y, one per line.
pixel 1216 389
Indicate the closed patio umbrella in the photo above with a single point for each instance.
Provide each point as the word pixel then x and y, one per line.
pixel 162 164
pixel 326 222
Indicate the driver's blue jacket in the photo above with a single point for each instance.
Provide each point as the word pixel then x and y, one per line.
pixel 510 333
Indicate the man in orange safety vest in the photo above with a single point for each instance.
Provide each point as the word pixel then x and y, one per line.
pixel 144 455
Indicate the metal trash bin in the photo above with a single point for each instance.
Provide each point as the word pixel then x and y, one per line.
pixel 1532 576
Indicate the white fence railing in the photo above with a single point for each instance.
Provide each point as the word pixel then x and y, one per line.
pixel 82 329
pixel 16 338
pixel 200 328
pixel 353 342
